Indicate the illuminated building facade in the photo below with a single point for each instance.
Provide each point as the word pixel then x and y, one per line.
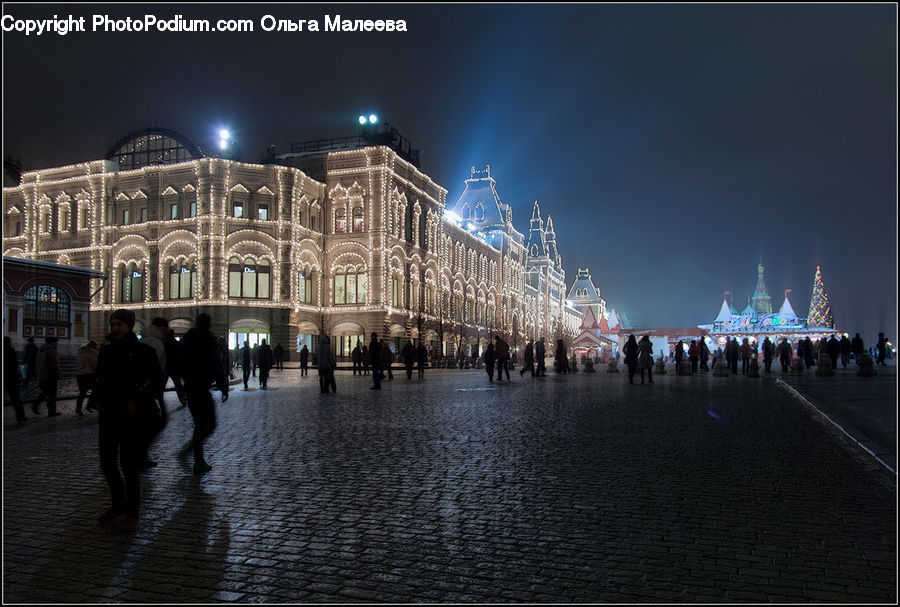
pixel 345 243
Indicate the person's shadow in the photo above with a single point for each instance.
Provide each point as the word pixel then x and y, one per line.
pixel 186 559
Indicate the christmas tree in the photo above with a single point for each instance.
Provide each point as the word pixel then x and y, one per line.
pixel 819 308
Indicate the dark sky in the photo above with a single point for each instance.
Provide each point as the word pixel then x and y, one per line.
pixel 674 146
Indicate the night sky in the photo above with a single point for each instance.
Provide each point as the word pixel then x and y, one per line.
pixel 676 147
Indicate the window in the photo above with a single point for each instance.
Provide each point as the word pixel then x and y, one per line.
pixel 395 292
pixel 340 221
pixel 249 279
pixel 314 221
pixel 144 215
pixel 193 209
pixel 64 220
pixel 132 284
pixel 429 298
pixel 46 305
pixel 263 212
pixel 358 224
pixel 181 281
pixel 304 288
pixel 85 217
pixel 173 211
pixel 237 210
pixel 350 287
pixel 126 217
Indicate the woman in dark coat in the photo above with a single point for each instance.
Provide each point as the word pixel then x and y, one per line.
pixel 645 357
pixel 631 357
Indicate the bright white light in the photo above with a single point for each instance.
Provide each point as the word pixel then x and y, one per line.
pixel 373 118
pixel 223 145
pixel 362 119
pixel 224 134
pixel 451 216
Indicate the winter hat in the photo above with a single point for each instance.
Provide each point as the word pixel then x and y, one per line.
pixel 126 316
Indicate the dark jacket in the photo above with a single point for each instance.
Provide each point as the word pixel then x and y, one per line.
pixel 202 365
pixel 128 371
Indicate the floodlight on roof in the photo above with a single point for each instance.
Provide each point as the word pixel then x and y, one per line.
pixel 362 119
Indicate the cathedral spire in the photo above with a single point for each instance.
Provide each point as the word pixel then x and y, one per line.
pixel 761 301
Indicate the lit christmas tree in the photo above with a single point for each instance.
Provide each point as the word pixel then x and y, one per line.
pixel 819 308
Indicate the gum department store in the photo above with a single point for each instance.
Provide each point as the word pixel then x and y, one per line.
pixel 343 237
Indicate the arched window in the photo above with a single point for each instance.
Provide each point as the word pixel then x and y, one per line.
pixel 181 281
pixel 305 287
pixel 46 305
pixel 350 286
pixel 358 222
pixel 132 283
pixel 249 280
pixel 340 221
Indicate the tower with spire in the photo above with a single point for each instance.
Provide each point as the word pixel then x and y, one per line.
pixel 761 302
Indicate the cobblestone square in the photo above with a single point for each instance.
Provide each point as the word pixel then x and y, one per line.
pixel 577 488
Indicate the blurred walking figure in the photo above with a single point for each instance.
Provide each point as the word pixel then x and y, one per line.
pixel 326 363
pixel 502 351
pixel 254 359
pixel 540 353
pixel 562 365
pixel 224 357
pixel 845 350
pixel 265 364
pixel 245 363
pixel 356 357
pixel 86 375
pixel 278 357
pixel 128 380
pixel 857 347
pixel 366 359
pixel 409 358
pixel 387 359
pixel 174 365
pixel 732 354
pixel 528 361
pixel 745 356
pixel 31 352
pixel 631 351
pixel 155 337
pixel 784 354
pixel 694 355
pixel 304 361
pixel 11 379
pixel 768 354
pixel 490 357
pixel 422 358
pixel 375 355
pixel 645 357
pixel 880 348
pixel 202 367
pixel 47 376
pixel 704 355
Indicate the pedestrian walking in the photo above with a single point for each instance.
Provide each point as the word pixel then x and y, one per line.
pixel 266 359
pixel 733 353
pixel 631 351
pixel 366 359
pixel 857 347
pixel 645 357
pixel 540 354
pixel 679 353
pixel 845 351
pixel 128 379
pixel 746 350
pixel 304 361
pixel 502 351
pixel 356 357
pixel 245 363
pixel 528 359
pixel 387 359
pixel 47 376
pixel 880 348
pixel 86 375
pixel 768 349
pixel 562 364
pixel 421 359
pixel 375 356
pixel 31 352
pixel 254 359
pixel 409 358
pixel 278 357
pixel 174 365
pixel 224 357
pixel 325 362
pixel 784 354
pixel 693 353
pixel 12 379
pixel 490 357
pixel 202 367
pixel 833 347
pixel 154 335
pixel 809 353
pixel 704 355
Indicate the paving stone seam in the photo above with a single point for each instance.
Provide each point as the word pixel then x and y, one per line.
pixel 802 399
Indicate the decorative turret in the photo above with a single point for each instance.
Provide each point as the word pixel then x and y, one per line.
pixel 550 239
pixel 534 245
pixel 761 301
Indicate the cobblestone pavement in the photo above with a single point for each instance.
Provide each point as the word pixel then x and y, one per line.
pixel 563 489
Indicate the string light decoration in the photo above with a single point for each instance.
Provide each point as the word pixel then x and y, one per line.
pixel 819 308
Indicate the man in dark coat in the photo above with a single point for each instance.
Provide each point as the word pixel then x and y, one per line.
pixel 304 361
pixel 375 356
pixel 356 356
pixel 128 380
pixel 409 358
pixel 48 376
pixel 768 349
pixel 422 358
pixel 31 352
pixel 245 363
pixel 202 367
pixel 528 363
pixel 833 348
pixel 265 360
pixel 784 354
pixel 540 354
pixel 845 350
pixel 857 347
pixel 502 350
pixel 278 357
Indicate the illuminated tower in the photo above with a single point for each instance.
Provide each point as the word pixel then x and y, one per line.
pixel 761 302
